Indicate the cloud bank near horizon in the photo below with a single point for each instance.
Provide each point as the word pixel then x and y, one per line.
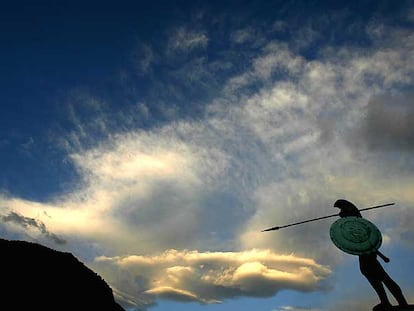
pixel 211 277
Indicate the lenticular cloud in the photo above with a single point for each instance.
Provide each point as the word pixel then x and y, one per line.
pixel 211 277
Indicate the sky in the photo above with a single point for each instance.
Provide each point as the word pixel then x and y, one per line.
pixel 156 139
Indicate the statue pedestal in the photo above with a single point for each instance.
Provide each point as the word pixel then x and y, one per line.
pixel 398 308
pixel 393 308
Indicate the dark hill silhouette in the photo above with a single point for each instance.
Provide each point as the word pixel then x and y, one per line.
pixel 35 277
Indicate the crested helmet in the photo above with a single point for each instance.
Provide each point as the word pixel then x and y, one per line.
pixel 347 208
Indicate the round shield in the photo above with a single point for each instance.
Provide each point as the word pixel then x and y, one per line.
pixel 355 235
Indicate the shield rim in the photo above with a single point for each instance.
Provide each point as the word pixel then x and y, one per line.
pixel 376 245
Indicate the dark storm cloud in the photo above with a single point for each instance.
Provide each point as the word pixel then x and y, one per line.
pixel 27 222
pixel 387 124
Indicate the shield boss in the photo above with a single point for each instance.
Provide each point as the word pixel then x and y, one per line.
pixel 355 235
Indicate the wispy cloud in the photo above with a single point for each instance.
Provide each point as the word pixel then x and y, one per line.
pixel 243 35
pixel 184 39
pixel 143 57
pixel 29 223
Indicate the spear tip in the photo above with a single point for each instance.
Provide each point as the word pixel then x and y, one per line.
pixel 271 229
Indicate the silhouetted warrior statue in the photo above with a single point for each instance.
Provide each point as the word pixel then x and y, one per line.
pixel 371 268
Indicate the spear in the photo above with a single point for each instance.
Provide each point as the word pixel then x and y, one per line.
pixel 323 217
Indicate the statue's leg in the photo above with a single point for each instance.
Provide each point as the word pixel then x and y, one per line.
pixel 395 290
pixel 379 289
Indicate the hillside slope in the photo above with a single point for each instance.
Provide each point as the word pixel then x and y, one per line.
pixel 35 277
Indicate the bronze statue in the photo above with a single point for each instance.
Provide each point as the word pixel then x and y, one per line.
pixel 370 266
pixel 358 236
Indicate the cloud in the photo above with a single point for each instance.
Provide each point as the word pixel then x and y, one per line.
pixel 84 115
pixel 143 58
pixel 251 36
pixel 243 35
pixel 387 124
pixel 27 223
pixel 185 40
pixel 139 185
pixel 211 277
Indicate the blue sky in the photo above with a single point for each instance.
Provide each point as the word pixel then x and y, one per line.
pixel 155 139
